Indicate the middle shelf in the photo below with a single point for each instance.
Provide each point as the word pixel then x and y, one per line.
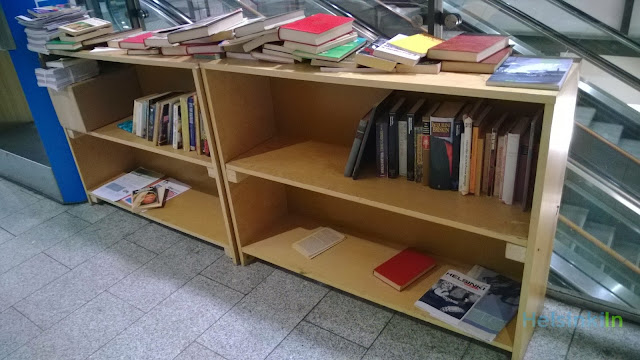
pixel 319 167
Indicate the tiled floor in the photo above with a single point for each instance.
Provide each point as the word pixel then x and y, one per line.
pixel 96 282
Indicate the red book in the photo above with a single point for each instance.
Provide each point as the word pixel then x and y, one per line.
pixel 135 42
pixel 404 268
pixel 316 29
pixel 468 47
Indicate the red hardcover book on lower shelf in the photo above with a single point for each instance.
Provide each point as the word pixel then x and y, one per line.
pixel 404 268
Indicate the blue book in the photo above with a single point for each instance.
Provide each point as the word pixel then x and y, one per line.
pixel 192 119
pixel 495 309
pixel 533 73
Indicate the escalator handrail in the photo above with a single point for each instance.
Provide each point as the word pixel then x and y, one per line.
pixel 170 11
pixel 580 50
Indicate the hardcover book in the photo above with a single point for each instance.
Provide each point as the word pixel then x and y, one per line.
pixel 491 148
pixel 512 147
pixel 441 136
pixel 424 66
pixel 357 142
pixel 404 268
pixel 335 54
pixel 136 41
pixel 532 160
pixel 423 146
pixel 206 27
pixel 395 114
pixel 468 47
pixel 486 66
pixel 413 117
pixel 534 73
pixel 317 49
pixel 260 24
pixel 316 29
pixel 84 26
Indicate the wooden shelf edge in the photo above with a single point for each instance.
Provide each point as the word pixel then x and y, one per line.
pixel 181 62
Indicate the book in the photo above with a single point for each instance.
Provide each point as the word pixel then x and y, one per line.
pixel 395 114
pixel 404 268
pixel 335 54
pixel 453 297
pixel 272 58
pixel 135 41
pixel 46 11
pixel 324 47
pixel 87 35
pixel 147 198
pixel 366 58
pixel 84 26
pixel 316 29
pixel 354 70
pixel 63 45
pixel 184 115
pixel 262 23
pixel 277 47
pixel 532 160
pixel 465 155
pixel 124 185
pixel 143 51
pixel 204 49
pixel 108 38
pixel 491 151
pixel 418 44
pixel 501 156
pixel 346 63
pixel 176 125
pixel 357 142
pixel 392 53
pixel 159 37
pixel 423 145
pixel 495 309
pixel 240 55
pixel 477 145
pixel 486 66
pixel 382 146
pixel 206 27
pixel 458 129
pixel 174 50
pixel 424 66
pixel 512 147
pixel 191 113
pixel 154 110
pixel 402 145
pixel 261 40
pixel 197 113
pixel 441 141
pixel 140 114
pixel 413 116
pixel 210 56
pixel 533 73
pixel 65 62
pixel 468 47
pixel 281 54
pixel 172 187
pixel 321 240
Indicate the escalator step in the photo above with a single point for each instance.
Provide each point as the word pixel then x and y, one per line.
pixel 576 214
pixel 631 146
pixel 611 132
pixel 584 115
pixel 602 232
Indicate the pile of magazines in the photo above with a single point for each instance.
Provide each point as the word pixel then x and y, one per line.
pixel 66 71
pixel 41 25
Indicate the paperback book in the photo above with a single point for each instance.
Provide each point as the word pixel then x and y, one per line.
pixel 534 73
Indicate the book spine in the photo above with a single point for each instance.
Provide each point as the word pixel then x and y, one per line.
pixel 203 137
pixel 184 115
pixel 493 163
pixel 441 154
pixel 163 131
pixel 486 162
pixel 136 117
pixel 521 169
pixel 176 138
pixel 170 125
pixel 402 148
pixel 144 121
pixel 151 122
pixel 355 148
pixel 479 166
pixel 392 151
pixel 465 157
pixel 530 167
pixel 510 166
pixel 500 157
pixel 474 160
pixel 381 148
pixel 411 148
pixel 425 146
pixel 192 130
pixel 417 131
pixel 458 127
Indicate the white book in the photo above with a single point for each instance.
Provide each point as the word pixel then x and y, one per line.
pixel 402 146
pixel 318 242
pixel 259 24
pixel 316 49
pixel 88 35
pixel 206 27
pixel 394 53
pixel 278 47
pixel 259 41
pixel 281 54
pixel 355 70
pixel 347 63
pixel 176 122
pixel 465 156
pixel 512 147
pixel 84 26
pixel 272 58
pixel 242 56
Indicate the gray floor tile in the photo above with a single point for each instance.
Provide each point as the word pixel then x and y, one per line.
pixel 5 236
pixel 83 332
pixel 165 274
pixel 91 213
pixel 95 238
pixel 17 187
pixel 156 238
pixel 354 319
pixel 241 278
pixel 406 338
pixel 38 239
pixel 30 216
pixel 60 298
pixel 196 351
pixel 171 326
pixel 24 279
pixel 309 342
pixel 15 331
pixel 478 351
pixel 592 340
pixel 552 342
pixel 13 199
pixel 254 327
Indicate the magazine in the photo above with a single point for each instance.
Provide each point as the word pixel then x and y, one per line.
pixel 452 297
pixel 496 308
pixel 173 187
pixel 533 73
pixel 148 198
pixel 125 184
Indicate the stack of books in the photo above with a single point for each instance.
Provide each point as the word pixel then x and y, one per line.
pixel 472 53
pixel 64 72
pixel 74 34
pixel 41 24
pixel 173 119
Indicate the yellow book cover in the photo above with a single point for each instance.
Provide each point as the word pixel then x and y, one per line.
pixel 184 114
pixel 418 43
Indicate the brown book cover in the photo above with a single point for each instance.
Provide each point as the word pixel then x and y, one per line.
pixel 479 118
pixel 479 166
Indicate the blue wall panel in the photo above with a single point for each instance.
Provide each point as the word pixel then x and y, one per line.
pixel 44 116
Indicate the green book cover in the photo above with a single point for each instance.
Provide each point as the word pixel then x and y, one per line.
pixel 336 53
pixel 60 42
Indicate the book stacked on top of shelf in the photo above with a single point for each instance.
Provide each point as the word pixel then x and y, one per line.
pixel 66 71
pixel 173 119
pixel 474 148
pixel 472 53
pixel 401 53
pixel 41 25
pixel 72 35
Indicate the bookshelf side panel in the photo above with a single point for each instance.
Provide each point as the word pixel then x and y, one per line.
pixel 557 128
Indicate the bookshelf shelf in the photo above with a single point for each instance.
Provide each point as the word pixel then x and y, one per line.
pixel 348 266
pixel 120 56
pixel 113 133
pixel 319 167
pixel 193 212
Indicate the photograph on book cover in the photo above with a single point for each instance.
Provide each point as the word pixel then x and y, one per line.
pixel 450 299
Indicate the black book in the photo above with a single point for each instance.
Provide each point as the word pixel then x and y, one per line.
pixel 412 118
pixel 458 129
pixel 532 160
pixel 441 139
pixel 382 146
pixel 395 114
pixel 357 142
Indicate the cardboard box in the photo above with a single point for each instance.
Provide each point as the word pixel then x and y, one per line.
pixel 91 104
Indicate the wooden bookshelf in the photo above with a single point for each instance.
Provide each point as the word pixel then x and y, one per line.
pixel 284 133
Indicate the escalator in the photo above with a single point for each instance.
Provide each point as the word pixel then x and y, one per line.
pixel 597 248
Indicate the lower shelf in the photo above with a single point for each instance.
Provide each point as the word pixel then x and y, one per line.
pixel 349 266
pixel 193 212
